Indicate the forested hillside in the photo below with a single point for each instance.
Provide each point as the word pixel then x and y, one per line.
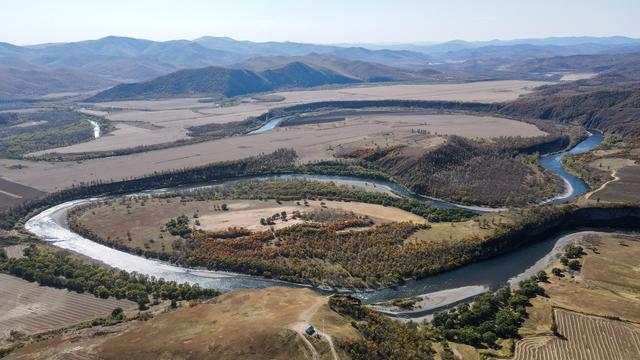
pixel 609 102
pixel 467 171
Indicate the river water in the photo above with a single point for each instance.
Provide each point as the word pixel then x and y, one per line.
pixel 50 226
pixel 96 128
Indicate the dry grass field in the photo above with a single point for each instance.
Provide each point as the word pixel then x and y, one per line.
pixel 311 142
pixel 142 221
pixel 30 308
pixel 485 91
pixel 171 118
pixel 245 324
pixel 608 283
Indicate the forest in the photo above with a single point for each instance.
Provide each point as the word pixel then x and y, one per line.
pixel 43 130
pixel 60 270
pixel 491 315
pixel 468 171
pixel 607 102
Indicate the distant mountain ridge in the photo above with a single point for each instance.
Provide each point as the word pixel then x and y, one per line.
pixel 96 64
pixel 224 82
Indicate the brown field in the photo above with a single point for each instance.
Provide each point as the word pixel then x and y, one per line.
pixel 311 142
pixel 626 187
pixel 584 338
pixel 30 308
pixel 144 223
pixel 245 324
pixel 172 117
pixel 12 194
pixel 485 91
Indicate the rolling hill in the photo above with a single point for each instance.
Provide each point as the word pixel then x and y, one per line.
pixel 608 102
pixel 224 82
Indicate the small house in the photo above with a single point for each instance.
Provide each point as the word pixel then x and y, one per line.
pixel 310 330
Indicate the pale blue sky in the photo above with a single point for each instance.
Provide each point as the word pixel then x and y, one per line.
pixel 320 21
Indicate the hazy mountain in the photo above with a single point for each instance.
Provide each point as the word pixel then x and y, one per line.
pixel 224 82
pixel 248 48
pixel 18 83
pixel 93 64
pixel 362 70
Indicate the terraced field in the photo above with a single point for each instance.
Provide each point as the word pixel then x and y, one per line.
pixel 585 338
pixel 31 308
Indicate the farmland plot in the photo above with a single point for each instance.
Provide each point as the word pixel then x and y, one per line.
pixel 31 308
pixel 585 338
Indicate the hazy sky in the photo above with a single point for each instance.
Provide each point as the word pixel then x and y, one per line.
pixel 321 21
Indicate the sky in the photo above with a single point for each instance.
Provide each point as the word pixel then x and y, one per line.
pixel 319 21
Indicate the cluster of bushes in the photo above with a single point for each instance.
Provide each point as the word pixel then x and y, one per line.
pixel 63 271
pixel 570 259
pixel 229 233
pixel 178 226
pixel 491 316
pixel 383 338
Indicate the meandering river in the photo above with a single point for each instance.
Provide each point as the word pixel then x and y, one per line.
pixel 51 226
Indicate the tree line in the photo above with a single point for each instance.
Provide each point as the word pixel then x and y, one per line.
pixel 60 270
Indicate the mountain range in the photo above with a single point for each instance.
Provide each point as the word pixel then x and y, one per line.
pixel 37 70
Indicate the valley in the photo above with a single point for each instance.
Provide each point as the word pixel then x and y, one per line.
pixel 217 198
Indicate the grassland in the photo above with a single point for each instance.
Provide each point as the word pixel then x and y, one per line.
pixel 311 142
pixel 168 120
pixel 246 324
